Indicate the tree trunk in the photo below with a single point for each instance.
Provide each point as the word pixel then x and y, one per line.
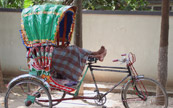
pixel 78 24
pixel 163 49
pixel 78 30
pixel 2 86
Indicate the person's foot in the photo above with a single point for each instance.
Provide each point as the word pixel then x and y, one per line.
pixel 102 55
pixel 101 50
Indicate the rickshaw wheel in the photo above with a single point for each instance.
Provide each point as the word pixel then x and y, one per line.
pixel 24 93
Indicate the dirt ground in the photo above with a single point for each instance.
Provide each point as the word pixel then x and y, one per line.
pixel 113 101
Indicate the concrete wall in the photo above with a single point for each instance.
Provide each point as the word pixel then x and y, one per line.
pixel 12 51
pixel 122 33
pixel 119 33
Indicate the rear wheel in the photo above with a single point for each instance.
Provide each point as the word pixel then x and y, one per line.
pixel 25 93
pixel 142 93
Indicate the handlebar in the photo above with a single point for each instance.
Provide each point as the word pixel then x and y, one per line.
pixel 129 58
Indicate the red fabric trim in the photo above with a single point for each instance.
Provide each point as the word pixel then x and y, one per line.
pixel 61 87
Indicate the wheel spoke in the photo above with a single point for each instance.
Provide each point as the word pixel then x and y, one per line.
pixel 24 93
pixel 142 92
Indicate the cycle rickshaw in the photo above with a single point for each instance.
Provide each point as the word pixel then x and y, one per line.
pixel 47 26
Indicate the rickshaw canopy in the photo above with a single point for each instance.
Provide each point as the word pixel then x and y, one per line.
pixel 47 24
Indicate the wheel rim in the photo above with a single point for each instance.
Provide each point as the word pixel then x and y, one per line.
pixel 137 95
pixel 19 95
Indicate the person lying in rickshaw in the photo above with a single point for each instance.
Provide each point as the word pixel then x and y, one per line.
pixel 51 24
pixel 68 63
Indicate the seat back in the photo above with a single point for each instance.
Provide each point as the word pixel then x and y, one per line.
pixel 40 58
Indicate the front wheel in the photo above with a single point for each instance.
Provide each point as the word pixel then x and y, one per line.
pixel 141 93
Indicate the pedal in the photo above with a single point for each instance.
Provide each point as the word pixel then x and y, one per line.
pixel 28 103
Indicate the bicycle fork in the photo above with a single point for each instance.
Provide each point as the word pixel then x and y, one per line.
pixel 138 87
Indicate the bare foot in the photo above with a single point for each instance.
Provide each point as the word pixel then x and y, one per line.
pixel 101 50
pixel 102 55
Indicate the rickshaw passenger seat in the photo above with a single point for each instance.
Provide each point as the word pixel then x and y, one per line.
pixel 40 58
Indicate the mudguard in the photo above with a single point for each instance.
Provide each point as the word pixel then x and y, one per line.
pixel 27 77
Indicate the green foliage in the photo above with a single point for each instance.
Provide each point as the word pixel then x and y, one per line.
pixel 27 3
pixel 114 4
pixel 38 2
pixel 0 4
pixel 98 4
pixel 11 4
pixel 86 4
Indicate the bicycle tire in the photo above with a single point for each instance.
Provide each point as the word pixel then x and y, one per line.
pixel 141 92
pixel 17 94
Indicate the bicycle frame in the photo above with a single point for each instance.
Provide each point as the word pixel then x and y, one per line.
pixel 96 68
pixel 110 69
pixel 102 68
pixel 129 70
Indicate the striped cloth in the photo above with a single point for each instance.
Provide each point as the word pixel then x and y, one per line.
pixel 70 61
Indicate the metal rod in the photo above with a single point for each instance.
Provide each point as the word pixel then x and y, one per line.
pixel 110 70
pixel 93 77
pixel 73 98
pixel 108 67
pixel 81 81
pixel 116 85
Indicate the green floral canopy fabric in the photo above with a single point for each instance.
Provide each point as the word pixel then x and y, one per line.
pixel 47 24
